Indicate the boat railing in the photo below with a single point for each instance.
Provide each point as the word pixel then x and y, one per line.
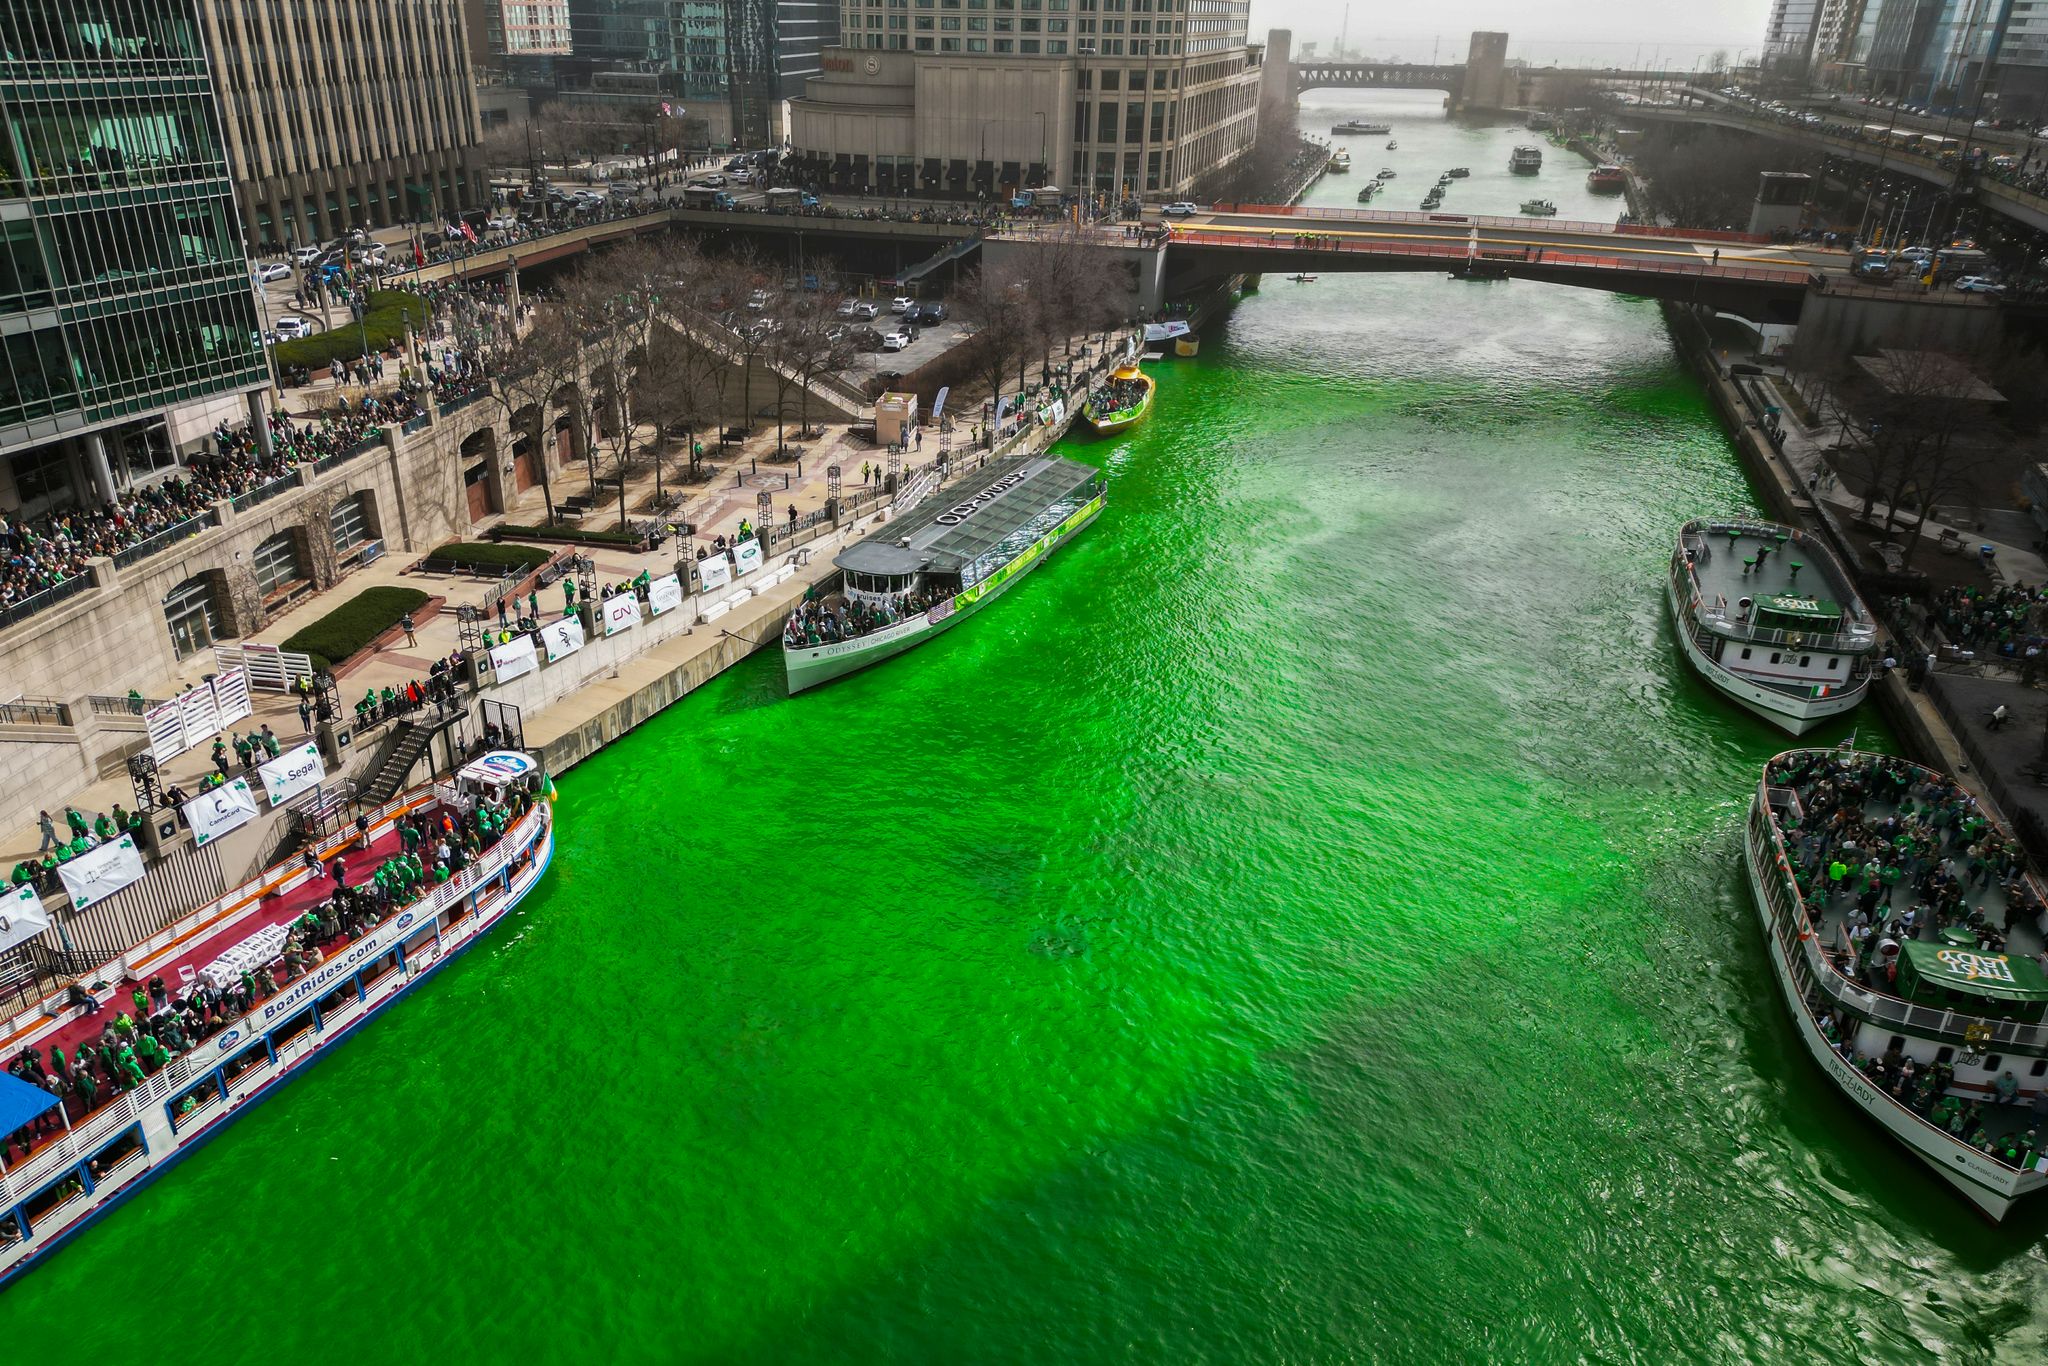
pixel 1796 932
pixel 1859 637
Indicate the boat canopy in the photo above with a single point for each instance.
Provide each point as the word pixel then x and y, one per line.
pixel 1796 612
pixel 950 530
pixel 499 768
pixel 21 1101
pixel 1930 972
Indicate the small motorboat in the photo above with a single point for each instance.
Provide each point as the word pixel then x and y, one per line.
pixel 1393 147
pixel 1386 173
pixel 1303 279
pixel 1458 172
pixel 1539 208
pixel 1372 187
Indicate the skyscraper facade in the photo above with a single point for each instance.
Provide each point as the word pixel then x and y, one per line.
pixel 124 291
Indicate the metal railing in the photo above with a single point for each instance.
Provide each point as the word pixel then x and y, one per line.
pixel 34 711
pixel 23 608
pixel 263 493
pixel 166 538
pixel 340 458
pixel 1699 267
pixel 104 704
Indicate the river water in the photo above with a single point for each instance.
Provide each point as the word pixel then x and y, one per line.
pixel 1301 923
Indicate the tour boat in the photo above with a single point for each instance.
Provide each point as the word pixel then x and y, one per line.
pixel 1539 208
pixel 1340 162
pixel 78 1173
pixel 1353 128
pixel 1767 616
pixel 1121 402
pixel 1372 187
pixel 1916 1027
pixel 1525 160
pixel 937 564
pixel 1607 180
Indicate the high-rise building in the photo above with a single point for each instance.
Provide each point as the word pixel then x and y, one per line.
pixel 2020 81
pixel 968 96
pixel 803 30
pixel 124 291
pixel 714 59
pixel 341 113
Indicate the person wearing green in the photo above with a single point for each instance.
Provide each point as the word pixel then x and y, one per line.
pixel 533 604
pixel 103 828
pixel 76 820
pixel 22 874
pixel 568 596
pixel 243 750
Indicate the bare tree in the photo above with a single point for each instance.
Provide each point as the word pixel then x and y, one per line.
pixel 613 301
pixel 802 345
pixel 528 368
pixel 1912 435
pixel 1710 180
pixel 998 301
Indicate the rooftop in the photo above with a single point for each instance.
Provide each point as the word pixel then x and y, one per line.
pixel 956 526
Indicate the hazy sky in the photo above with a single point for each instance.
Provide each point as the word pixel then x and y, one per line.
pixel 1589 32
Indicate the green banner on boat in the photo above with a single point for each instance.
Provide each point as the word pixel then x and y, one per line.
pixel 1969 972
pixel 1806 609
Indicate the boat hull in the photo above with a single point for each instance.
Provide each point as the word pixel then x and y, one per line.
pixel 1794 715
pixel 256 1085
pixel 1989 1185
pixel 810 665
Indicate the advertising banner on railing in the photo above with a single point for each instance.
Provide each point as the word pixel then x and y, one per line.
pixel 665 594
pixel 564 638
pixel 231 696
pixel 97 874
pixel 746 557
pixel 218 810
pixel 516 659
pixel 621 613
pixel 292 772
pixel 714 573
pixel 22 916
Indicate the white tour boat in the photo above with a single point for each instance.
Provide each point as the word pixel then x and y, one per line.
pixel 87 1161
pixel 938 564
pixel 1767 616
pixel 1926 1013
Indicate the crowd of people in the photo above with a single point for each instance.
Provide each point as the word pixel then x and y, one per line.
pixel 40 870
pixel 134 1043
pixel 828 621
pixel 1113 395
pixel 1995 620
pixel 1908 873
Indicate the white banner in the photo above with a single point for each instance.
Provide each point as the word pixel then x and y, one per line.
pixel 564 637
pixel 218 810
pixel 621 613
pixel 715 572
pixel 939 403
pixel 166 724
pixel 515 659
pixel 231 696
pixel 22 916
pixel 665 594
pixel 747 554
pixel 292 772
pixel 97 874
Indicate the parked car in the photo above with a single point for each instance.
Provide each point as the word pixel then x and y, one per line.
pixel 925 314
pixel 902 303
pixel 1979 284
pixel 758 300
pixel 866 338
pixel 895 341
pixel 291 328
pixel 306 256
pixel 860 308
pixel 1180 208
pixel 276 270
pixel 502 223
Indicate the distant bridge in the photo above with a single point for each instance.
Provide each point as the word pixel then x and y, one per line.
pixel 1483 80
pixel 1380 76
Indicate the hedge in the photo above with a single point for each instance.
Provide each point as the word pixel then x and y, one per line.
pixel 568 533
pixel 491 554
pixel 354 624
pixel 344 341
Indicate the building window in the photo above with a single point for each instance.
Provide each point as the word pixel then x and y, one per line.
pixel 189 611
pixel 351 522
pixel 276 562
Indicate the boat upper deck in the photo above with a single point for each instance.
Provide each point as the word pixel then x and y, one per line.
pixel 1796 592
pixel 1898 864
pixel 1013 496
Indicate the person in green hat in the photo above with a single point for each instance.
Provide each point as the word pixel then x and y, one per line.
pixel 104 827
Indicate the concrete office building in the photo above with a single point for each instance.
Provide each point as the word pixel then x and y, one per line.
pixel 345 112
pixel 971 97
pixel 124 292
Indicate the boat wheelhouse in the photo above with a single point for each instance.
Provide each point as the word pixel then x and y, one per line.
pixel 1913 982
pixel 1539 208
pixel 938 564
pixel 1768 617
pixel 1607 180
pixel 1352 127
pixel 1525 160
pixel 1340 162
pixel 243 994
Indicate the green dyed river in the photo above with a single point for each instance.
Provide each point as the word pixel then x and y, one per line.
pixel 1300 924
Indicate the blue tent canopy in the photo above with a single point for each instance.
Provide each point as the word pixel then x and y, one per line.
pixel 21 1102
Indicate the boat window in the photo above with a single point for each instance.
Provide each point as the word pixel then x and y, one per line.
pixel 255 1055
pixel 291 1029
pixel 1805 660
pixel 419 941
pixel 186 1103
pixel 1992 1063
pixel 379 970
pixel 1834 662
pixel 334 1000
pixel 2040 1068
pixel 1745 652
pixel 125 1145
pixel 65 1187
pixel 1776 655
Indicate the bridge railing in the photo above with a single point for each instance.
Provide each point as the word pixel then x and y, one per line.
pixel 1545 255
pixel 1481 220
